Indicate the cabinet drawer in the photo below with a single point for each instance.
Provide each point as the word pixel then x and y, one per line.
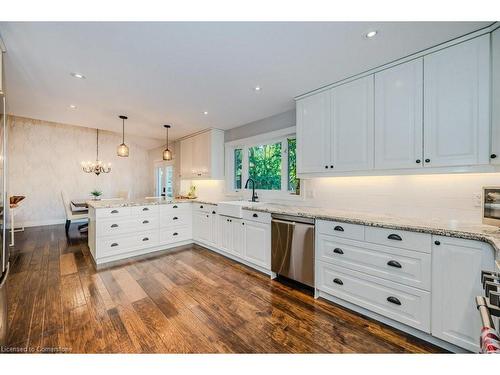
pixel 403 266
pixel 112 212
pixel 178 234
pixel 399 302
pixel 173 219
pixel 144 210
pixel 122 244
pixel 205 207
pixel 344 230
pixel 118 226
pixel 175 207
pixel 261 217
pixel 399 238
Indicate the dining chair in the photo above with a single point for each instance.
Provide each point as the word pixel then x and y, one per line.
pixel 70 214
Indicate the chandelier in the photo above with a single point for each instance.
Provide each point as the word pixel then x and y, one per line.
pixel 98 166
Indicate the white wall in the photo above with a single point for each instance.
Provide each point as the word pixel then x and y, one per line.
pixel 44 159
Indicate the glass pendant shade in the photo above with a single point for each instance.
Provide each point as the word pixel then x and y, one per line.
pixel 122 149
pixel 167 154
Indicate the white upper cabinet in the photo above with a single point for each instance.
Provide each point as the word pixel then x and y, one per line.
pixel 202 155
pixel 398 116
pixel 352 125
pixel 313 133
pixel 495 102
pixel 456 104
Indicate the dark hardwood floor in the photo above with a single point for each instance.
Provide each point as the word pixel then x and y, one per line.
pixel 189 300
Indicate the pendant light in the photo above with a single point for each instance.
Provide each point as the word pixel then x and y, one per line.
pixel 167 154
pixel 122 150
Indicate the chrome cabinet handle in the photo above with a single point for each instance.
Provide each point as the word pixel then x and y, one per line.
pixel 394 264
pixel 145 222
pixel 394 237
pixel 114 244
pixel 338 281
pixel 338 228
pixel 394 300
pixel 338 250
pixel 114 211
pixel 114 226
pixel 145 239
pixel 145 209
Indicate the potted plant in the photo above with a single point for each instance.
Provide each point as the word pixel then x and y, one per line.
pixel 96 194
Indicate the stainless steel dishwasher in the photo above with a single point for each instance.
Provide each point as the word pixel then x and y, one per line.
pixel 292 250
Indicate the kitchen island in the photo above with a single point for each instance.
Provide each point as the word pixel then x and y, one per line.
pixel 123 229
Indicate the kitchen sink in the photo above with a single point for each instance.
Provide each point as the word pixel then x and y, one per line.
pixel 234 208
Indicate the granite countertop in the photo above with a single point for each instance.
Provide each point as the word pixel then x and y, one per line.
pixel 141 202
pixel 451 228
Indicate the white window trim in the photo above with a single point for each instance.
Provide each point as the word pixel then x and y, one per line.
pixel 266 138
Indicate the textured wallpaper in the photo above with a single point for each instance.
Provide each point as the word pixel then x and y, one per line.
pixel 44 159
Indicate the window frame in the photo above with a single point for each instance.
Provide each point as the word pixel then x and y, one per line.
pixel 281 136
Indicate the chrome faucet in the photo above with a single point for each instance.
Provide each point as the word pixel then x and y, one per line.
pixel 254 196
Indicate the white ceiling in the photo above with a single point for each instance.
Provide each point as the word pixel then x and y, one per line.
pixel 170 72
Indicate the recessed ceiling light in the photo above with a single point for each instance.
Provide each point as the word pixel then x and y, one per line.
pixel 78 75
pixel 72 106
pixel 371 34
pixel 257 88
pixel 205 113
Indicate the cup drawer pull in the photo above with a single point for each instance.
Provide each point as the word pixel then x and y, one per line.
pixel 338 250
pixel 145 222
pixel 394 300
pixel 145 239
pixel 114 225
pixel 114 211
pixel 175 234
pixel 175 206
pixel 114 244
pixel 338 228
pixel 255 215
pixel 394 264
pixel 394 237
pixel 145 209
pixel 175 218
pixel 338 281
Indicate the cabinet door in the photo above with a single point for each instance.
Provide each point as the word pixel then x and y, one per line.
pixel 202 227
pixel 187 170
pixel 225 234
pixel 313 133
pixel 495 100
pixel 398 116
pixel 456 104
pixel 456 281
pixel 238 237
pixel 352 125
pixel 258 243
pixel 201 154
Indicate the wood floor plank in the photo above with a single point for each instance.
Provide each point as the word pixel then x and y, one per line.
pixel 188 300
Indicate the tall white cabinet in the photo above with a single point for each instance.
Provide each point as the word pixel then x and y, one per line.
pixel 495 100
pixel 202 155
pixel 399 117
pixel 433 111
pixel 351 145
pixel 456 104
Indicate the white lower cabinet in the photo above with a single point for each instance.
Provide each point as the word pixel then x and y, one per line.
pixel 456 281
pixel 423 281
pixel 258 243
